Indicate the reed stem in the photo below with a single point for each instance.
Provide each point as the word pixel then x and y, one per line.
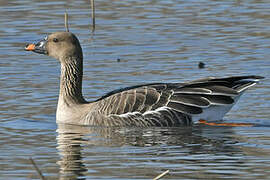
pixel 66 21
pixel 161 175
pixel 37 169
pixel 92 2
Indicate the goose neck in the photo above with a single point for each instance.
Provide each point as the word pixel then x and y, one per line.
pixel 71 81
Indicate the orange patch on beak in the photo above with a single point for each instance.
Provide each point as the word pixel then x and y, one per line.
pixel 30 47
pixel 225 124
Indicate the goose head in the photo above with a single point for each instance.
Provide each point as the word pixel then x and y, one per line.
pixel 63 46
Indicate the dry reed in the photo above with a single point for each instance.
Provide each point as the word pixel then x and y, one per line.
pixel 37 169
pixel 66 21
pixel 92 2
pixel 161 175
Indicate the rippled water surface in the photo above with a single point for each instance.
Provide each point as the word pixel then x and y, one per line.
pixel 156 41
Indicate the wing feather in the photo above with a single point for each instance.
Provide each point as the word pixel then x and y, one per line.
pixel 184 108
pixel 140 99
pixel 191 100
pixel 170 104
pixel 131 99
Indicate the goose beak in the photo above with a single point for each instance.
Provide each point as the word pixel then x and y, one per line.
pixel 39 47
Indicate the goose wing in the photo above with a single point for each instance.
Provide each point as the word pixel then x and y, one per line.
pixel 140 98
pixel 173 103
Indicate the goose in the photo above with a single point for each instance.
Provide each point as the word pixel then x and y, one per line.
pixel 144 105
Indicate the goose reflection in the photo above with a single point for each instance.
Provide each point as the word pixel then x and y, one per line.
pixel 70 146
pixel 77 143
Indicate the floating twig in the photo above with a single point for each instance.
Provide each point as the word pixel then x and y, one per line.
pixel 161 175
pixel 37 169
pixel 93 15
pixel 66 21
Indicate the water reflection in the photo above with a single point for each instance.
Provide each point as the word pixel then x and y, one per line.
pixel 76 144
pixel 70 142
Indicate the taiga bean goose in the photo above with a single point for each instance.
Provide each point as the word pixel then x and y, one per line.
pixel 156 104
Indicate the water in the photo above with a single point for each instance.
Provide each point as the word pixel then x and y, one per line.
pixel 156 41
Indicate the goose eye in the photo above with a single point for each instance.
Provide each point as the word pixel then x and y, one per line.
pixel 55 40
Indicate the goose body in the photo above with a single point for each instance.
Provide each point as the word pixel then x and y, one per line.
pixel 156 104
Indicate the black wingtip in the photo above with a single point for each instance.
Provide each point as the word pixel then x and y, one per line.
pixel 258 77
pixel 248 77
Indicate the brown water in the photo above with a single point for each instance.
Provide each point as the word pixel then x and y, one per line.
pixel 156 41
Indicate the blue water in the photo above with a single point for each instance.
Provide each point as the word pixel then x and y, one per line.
pixel 156 41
